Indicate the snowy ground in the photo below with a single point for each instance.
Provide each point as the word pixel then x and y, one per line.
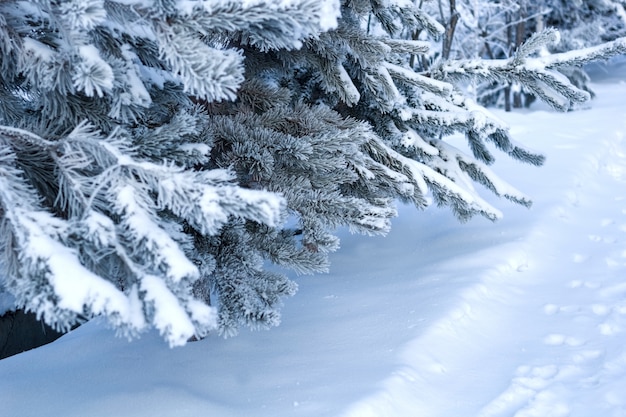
pixel 525 317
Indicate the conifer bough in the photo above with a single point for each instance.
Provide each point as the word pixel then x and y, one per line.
pixel 154 154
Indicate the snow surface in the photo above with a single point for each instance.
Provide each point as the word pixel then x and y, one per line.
pixel 524 317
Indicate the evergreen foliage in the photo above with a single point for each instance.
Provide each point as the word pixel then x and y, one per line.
pixel 585 23
pixel 498 29
pixel 155 154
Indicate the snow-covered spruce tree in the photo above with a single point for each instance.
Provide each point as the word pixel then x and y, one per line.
pixel 482 29
pixel 585 23
pixel 110 201
pixel 156 153
pixel 582 24
pixel 541 75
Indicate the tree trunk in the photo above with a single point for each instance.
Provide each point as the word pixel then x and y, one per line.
pixel 520 35
pixel 510 49
pixel 507 98
pixel 518 103
pixel 21 331
pixel 451 27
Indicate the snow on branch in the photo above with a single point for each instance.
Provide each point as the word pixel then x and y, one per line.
pixel 116 201
pixel 407 46
pixel 538 75
pixel 410 77
pixel 461 198
pixel 209 73
pixel 394 16
pixel 93 75
pixel 170 318
pixel 582 56
pixel 214 73
pixel 206 199
pixel 82 14
pixel 45 274
pixel 266 26
pixel 134 209
pixel 482 174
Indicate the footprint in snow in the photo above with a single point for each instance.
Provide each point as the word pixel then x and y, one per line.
pixel 586 356
pixel 607 222
pixel 579 258
pixel 602 239
pixel 579 283
pixel 609 328
pixel 560 339
pixel 600 309
pixel 530 393
pixel 562 213
pixel 613 291
pixel 572 198
pixel 551 309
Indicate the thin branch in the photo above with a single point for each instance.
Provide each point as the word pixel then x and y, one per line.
pixel 25 136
